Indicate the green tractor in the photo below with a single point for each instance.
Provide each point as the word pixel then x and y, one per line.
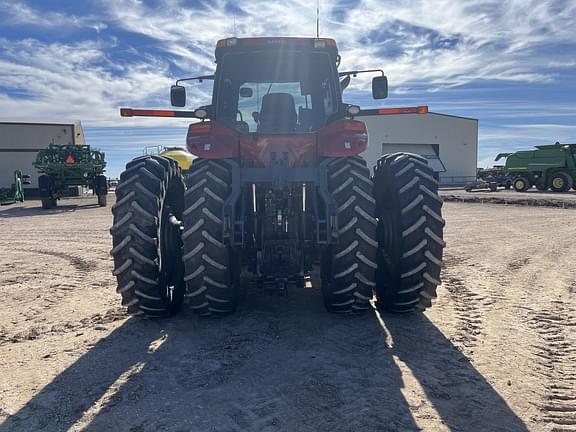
pixel 15 193
pixel 63 166
pixel 547 167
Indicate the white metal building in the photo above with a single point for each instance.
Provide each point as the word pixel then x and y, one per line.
pixel 449 143
pixel 20 142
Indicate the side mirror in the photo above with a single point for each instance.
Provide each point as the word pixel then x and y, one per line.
pixel 178 96
pixel 345 83
pixel 380 87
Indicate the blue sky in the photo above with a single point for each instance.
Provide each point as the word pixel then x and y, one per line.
pixel 510 63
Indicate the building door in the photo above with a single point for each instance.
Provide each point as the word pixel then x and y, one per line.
pixel 430 151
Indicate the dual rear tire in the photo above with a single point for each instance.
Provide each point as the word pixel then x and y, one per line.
pixel 212 268
pixel 390 235
pixel 146 236
pixel 169 241
pixel 410 233
pixel 348 266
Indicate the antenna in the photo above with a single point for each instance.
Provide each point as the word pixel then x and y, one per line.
pixel 317 18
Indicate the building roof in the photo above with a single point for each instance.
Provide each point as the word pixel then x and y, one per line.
pixel 374 112
pixel 47 123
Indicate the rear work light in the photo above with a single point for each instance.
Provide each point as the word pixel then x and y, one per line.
pixel 227 42
pixel 231 42
pixel 323 43
pixel 318 43
pixel 211 140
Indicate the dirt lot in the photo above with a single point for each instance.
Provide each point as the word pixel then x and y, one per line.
pixel 496 353
pixel 532 197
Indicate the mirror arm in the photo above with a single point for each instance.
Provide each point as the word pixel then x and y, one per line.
pixel 354 73
pixel 199 78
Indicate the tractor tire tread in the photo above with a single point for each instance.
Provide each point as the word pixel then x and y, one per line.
pixel 211 286
pixel 354 254
pixel 410 232
pixel 135 234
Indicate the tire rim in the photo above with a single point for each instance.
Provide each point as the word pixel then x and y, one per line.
pixel 169 249
pixel 520 184
pixel 558 182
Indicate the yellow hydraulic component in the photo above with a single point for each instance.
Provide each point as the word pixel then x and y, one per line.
pixel 180 155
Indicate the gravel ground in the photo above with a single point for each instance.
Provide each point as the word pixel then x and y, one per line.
pixel 497 352
pixel 501 196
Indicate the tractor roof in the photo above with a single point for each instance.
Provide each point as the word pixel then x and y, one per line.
pixel 552 146
pixel 275 44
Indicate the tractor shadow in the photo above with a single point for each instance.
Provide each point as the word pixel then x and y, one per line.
pixel 279 364
pixel 33 208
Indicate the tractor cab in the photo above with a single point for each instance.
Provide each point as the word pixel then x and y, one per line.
pixel 278 85
pixel 274 86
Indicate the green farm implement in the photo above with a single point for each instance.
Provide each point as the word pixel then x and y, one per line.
pixel 16 192
pixel 547 167
pixel 63 166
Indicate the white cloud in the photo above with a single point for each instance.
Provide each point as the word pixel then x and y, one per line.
pixel 19 13
pixel 441 45
pixel 531 133
pixel 493 40
pixel 56 81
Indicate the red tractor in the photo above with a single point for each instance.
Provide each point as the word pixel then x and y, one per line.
pixel 278 187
